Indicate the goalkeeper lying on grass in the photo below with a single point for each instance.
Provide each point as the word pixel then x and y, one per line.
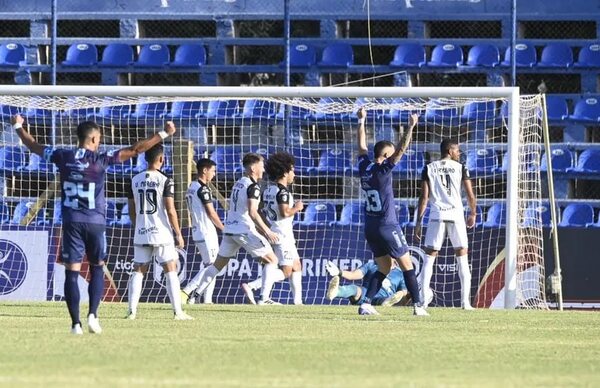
pixel 393 289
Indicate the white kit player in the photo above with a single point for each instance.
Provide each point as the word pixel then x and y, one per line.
pixel 279 209
pixel 244 227
pixel 441 186
pixel 205 222
pixel 152 212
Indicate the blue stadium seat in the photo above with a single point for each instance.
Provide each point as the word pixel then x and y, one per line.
pixel 577 215
pixel 123 218
pixel 305 162
pixel 222 109
pixel 149 111
pixel 562 159
pixel 588 163
pixel 398 114
pixel 189 56
pixel 372 114
pixel 12 159
pixel 301 56
pixel 333 161
pixel 111 212
pixel 81 55
pixel 411 163
pixel 425 220
pixel 295 112
pixel 227 158
pixel 482 161
pixel 337 55
pixel 36 163
pixel 21 211
pixel 319 214
pixel 328 103
pixel 403 214
pixel 186 110
pixel 258 109
pixel 586 110
pixel 446 55
pixel 483 55
pixel 437 113
pixel 141 164
pixel 353 213
pixel 6 111
pixel 116 55
pixel 589 56
pixel 124 168
pixel 478 218
pixel 541 210
pixel 409 55
pixel 496 216
pixel 4 213
pixel 263 150
pixel 153 56
pixel 39 116
pixel 480 111
pixel 557 107
pixel 79 114
pixel 113 113
pixel 525 55
pixel 11 54
pixel 556 55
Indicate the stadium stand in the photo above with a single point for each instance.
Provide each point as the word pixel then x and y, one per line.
pixel 81 54
pixel 409 55
pixel 446 55
pixel 319 213
pixel 577 215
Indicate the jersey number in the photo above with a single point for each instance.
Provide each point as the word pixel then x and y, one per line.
pixel 447 184
pixel 149 199
pixel 373 201
pixel 234 197
pixel 75 192
pixel 269 212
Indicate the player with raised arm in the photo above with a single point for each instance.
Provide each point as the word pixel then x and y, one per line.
pixel 441 187
pixel 244 227
pixel 154 219
pixel 392 291
pixel 382 230
pixel 82 175
pixel 279 208
pixel 205 222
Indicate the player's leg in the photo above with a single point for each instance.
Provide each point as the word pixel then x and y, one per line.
pixel 296 281
pixel 72 250
pixel 460 241
pixel 96 252
pixel 434 238
pixel 257 246
pixel 289 261
pixel 380 248
pixel 142 257
pixel 213 249
pixel 283 272
pixel 167 257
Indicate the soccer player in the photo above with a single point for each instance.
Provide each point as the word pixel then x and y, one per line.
pixel 205 222
pixel 154 219
pixel 441 187
pixel 244 227
pixel 382 230
pixel 82 174
pixel 279 208
pixel 392 291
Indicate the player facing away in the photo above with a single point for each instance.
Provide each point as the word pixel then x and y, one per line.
pixel 392 291
pixel 154 219
pixel 205 222
pixel 279 209
pixel 382 230
pixel 82 174
pixel 441 187
pixel 244 227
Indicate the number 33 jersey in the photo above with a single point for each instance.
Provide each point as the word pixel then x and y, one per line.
pixel 148 190
pixel 376 183
pixel 445 177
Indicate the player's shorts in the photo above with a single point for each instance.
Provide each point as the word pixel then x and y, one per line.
pixel 286 252
pixel 253 242
pixel 386 240
pixel 162 254
pixel 208 250
pixel 81 238
pixel 436 234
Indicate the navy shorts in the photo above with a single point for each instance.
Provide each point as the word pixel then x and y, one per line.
pixel 386 240
pixel 81 238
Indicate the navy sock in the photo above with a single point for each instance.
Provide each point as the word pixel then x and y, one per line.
pixel 72 295
pixel 374 285
pixel 96 288
pixel 412 285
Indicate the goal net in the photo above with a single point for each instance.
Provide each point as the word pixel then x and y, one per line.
pixel 317 126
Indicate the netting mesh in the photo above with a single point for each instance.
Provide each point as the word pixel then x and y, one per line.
pixel 320 133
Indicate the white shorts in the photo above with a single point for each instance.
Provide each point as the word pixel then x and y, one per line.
pixel 208 251
pixel 286 252
pixel 253 242
pixel 162 254
pixel 436 234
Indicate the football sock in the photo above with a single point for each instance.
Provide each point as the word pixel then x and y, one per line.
pixel 195 282
pixel 347 291
pixel 208 293
pixel 135 290
pixel 257 283
pixel 207 277
pixel 464 273
pixel 374 285
pixel 173 291
pixel 96 288
pixel 426 274
pixel 412 285
pixel 296 286
pixel 72 295
pixel 270 273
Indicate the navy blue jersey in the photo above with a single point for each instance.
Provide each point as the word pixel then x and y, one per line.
pixel 376 181
pixel 82 174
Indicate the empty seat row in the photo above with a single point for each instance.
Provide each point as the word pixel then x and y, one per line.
pixel 585 110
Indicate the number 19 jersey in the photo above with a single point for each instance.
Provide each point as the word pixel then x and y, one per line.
pixel 376 182
pixel 445 177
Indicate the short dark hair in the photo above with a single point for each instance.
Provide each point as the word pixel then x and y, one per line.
pixel 251 159
pixel 203 163
pixel 85 129
pixel 153 153
pixel 279 164
pixel 445 146
pixel 380 145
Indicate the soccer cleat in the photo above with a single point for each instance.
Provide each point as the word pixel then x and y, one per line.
pixel 191 299
pixel 94 324
pixel 367 309
pixel 249 293
pixel 334 285
pixel 185 297
pixel 183 316
pixel 131 316
pixel 420 311
pixel 392 300
pixel 76 329
pixel 298 303
pixel 268 302
pixel 468 307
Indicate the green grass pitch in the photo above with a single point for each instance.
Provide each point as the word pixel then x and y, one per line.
pixel 299 346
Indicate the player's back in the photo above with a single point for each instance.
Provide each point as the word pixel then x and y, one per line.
pixel 445 178
pixel 376 182
pixel 272 197
pixel 197 195
pixel 148 190
pixel 238 218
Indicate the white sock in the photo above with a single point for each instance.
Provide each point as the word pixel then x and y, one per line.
pixel 270 273
pixel 173 291
pixel 464 273
pixel 256 284
pixel 208 293
pixel 426 274
pixel 208 276
pixel 195 282
pixel 296 286
pixel 135 290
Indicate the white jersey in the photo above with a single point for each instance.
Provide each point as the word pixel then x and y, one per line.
pixel 238 219
pixel 274 196
pixel 148 190
pixel 445 178
pixel 198 196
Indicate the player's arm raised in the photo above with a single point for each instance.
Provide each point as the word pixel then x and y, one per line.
pixel 361 137
pixel 259 222
pixel 17 122
pixel 214 217
pixel 423 198
pixel 406 138
pixel 471 200
pixel 144 145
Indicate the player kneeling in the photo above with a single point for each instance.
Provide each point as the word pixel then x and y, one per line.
pixel 393 289
pixel 152 212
